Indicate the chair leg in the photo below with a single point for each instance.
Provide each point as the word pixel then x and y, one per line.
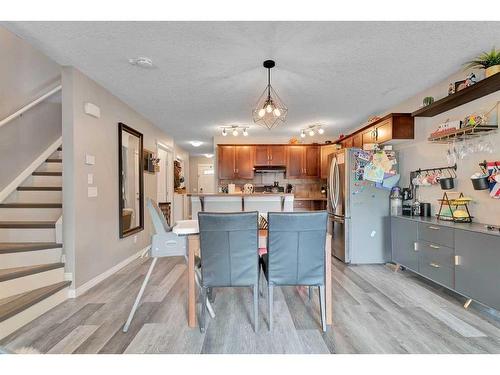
pixel 203 309
pixel 310 292
pixel 270 306
pixel 322 306
pixel 197 278
pixel 261 283
pixel 256 307
pixel 139 295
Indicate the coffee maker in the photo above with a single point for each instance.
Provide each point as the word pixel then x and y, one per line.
pixel 407 194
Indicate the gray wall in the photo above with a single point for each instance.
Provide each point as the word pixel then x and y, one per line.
pixel 91 238
pixel 25 74
pixel 423 154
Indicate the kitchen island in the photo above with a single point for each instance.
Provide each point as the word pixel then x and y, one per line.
pixel 221 202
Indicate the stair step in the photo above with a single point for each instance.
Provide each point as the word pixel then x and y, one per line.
pixel 27 224
pixel 43 173
pixel 39 188
pixel 13 305
pixel 20 247
pixel 30 205
pixel 14 273
pixel 52 160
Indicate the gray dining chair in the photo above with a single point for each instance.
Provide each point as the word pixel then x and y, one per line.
pixel 164 243
pixel 229 255
pixel 296 254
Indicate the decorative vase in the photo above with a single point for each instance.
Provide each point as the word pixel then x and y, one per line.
pixel 492 70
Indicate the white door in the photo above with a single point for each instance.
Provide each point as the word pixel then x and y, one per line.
pixel 162 176
pixel 206 178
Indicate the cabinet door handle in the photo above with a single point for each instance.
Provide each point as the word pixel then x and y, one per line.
pixel 435 265
pixel 458 260
pixel 434 246
pixel 305 170
pixel 433 227
pixel 415 246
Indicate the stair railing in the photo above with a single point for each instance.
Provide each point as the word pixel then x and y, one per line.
pixel 30 105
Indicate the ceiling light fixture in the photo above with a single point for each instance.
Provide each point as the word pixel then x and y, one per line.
pixel 234 130
pixel 269 110
pixel 196 143
pixel 143 62
pixel 209 156
pixel 312 130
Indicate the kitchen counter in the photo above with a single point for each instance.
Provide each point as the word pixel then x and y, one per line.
pixel 240 195
pixel 473 227
pixel 310 198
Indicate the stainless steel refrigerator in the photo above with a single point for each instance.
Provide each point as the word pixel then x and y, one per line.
pixel 358 213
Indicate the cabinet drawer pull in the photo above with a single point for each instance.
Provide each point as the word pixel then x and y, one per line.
pixel 457 260
pixel 415 246
pixel 433 227
pixel 435 265
pixel 434 246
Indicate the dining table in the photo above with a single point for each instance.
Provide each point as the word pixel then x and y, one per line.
pixel 190 229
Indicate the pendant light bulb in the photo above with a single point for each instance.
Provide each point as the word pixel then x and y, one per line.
pixel 311 132
pixel 245 133
pixel 235 132
pixel 224 132
pixel 269 108
pixel 302 134
pixel 262 112
pixel 277 112
pixel 321 130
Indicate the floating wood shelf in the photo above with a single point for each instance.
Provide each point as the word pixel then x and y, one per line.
pixel 476 91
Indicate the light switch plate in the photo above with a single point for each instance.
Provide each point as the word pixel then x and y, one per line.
pixel 89 159
pixel 92 191
pixel 90 178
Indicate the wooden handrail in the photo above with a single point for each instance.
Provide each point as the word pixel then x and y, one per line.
pixel 30 105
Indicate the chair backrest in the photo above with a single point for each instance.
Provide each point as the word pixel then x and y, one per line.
pixel 159 221
pixel 296 248
pixel 229 248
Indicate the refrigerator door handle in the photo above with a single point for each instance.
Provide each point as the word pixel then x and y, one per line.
pixel 330 184
pixel 337 185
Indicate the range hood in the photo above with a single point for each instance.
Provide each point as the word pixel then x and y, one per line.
pixel 270 169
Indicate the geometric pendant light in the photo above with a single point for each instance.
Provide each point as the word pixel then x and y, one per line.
pixel 269 111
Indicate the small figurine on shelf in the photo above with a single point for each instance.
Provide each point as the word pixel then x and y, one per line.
pixel 451 88
pixel 470 80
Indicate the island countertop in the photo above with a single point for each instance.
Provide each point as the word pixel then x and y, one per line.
pixel 240 195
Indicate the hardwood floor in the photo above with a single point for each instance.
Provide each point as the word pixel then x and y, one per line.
pixel 375 311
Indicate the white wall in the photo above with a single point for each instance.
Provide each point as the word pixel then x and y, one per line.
pixel 25 74
pixel 91 226
pixel 423 154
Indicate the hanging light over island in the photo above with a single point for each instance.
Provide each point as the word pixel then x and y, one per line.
pixel 269 111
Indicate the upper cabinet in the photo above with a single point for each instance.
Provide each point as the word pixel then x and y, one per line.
pixel 273 155
pixel 235 162
pixel 303 161
pixel 394 126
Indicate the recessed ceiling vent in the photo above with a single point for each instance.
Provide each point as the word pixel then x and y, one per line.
pixel 143 62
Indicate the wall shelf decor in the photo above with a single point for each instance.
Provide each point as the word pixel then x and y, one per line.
pixel 476 91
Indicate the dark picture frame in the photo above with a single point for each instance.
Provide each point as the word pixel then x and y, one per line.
pixel 121 205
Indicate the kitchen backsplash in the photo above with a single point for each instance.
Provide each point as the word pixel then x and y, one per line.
pixel 301 187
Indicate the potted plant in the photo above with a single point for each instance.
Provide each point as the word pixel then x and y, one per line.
pixel 490 61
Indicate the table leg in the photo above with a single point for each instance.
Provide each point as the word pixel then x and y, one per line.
pixel 193 244
pixel 328 281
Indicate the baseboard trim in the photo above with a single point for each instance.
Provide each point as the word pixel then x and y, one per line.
pixel 28 171
pixel 73 293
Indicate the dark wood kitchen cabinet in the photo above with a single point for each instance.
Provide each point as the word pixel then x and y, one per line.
pixel 273 155
pixel 303 161
pixel 244 162
pixel 235 162
pixel 226 162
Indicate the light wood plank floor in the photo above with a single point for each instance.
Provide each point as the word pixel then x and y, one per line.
pixel 375 311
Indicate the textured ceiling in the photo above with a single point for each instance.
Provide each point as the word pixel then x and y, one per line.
pixel 210 74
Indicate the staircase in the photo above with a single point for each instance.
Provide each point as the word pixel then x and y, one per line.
pixel 31 258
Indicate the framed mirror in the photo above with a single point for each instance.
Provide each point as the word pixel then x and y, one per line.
pixel 130 180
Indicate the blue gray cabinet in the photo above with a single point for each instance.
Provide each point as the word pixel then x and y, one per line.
pixel 464 260
pixel 477 273
pixel 403 239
